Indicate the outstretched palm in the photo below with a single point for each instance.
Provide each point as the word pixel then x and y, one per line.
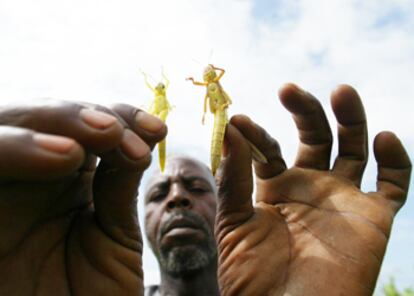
pixel 312 231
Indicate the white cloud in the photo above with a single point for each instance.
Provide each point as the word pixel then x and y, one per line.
pixel 92 50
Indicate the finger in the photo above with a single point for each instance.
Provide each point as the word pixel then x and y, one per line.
pixel 352 134
pixel 314 131
pixel 142 132
pixel 115 191
pixel 234 178
pixel 268 146
pixel 99 130
pixel 115 199
pixel 133 152
pixel 394 168
pixel 26 155
pixel 148 127
pixel 115 186
pixel 96 131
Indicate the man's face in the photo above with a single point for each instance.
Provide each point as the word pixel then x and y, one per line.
pixel 180 210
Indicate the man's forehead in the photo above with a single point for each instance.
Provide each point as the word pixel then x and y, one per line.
pixel 182 167
pixel 187 166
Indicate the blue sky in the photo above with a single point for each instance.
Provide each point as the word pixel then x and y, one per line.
pixel 275 11
pixel 91 50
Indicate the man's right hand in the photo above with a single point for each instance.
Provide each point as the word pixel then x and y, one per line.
pixel 312 231
pixel 67 226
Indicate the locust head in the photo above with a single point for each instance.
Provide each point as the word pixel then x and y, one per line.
pixel 160 89
pixel 209 74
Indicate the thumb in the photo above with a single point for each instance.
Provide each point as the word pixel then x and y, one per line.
pixel 115 199
pixel 115 187
pixel 235 177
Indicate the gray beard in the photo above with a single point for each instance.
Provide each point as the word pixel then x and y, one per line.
pixel 182 260
pixel 186 259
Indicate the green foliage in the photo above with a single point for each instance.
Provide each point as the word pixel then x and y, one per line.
pixel 391 290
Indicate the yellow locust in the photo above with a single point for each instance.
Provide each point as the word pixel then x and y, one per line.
pixel 160 108
pixel 218 103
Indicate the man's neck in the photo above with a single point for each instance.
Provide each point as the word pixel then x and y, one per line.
pixel 201 282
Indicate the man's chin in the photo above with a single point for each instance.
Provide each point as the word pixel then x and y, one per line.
pixel 185 249
pixel 184 259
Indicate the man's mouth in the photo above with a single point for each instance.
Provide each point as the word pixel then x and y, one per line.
pixel 181 226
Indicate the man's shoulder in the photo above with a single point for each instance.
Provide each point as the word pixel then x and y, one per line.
pixel 152 290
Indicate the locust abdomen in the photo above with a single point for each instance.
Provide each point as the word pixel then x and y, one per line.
pixel 220 121
pixel 161 154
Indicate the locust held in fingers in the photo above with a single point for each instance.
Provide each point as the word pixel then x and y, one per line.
pixel 218 101
pixel 160 107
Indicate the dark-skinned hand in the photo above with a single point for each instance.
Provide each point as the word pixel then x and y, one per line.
pixel 67 225
pixel 311 231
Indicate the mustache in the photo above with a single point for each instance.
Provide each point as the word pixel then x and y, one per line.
pixel 191 218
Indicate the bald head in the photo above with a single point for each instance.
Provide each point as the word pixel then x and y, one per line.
pixel 180 209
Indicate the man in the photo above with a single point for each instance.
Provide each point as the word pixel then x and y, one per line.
pixel 68 227
pixel 180 207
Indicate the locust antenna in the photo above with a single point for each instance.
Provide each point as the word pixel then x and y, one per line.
pixel 210 56
pixel 162 72
pixel 194 60
pixel 149 75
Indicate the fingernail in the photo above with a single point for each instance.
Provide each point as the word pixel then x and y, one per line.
pixel 149 122
pixel 298 90
pixel 54 143
pixel 133 146
pixel 247 118
pixel 97 119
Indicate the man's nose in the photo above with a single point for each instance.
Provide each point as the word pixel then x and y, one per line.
pixel 178 198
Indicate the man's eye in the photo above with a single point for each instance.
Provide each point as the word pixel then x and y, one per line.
pixel 196 189
pixel 157 196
